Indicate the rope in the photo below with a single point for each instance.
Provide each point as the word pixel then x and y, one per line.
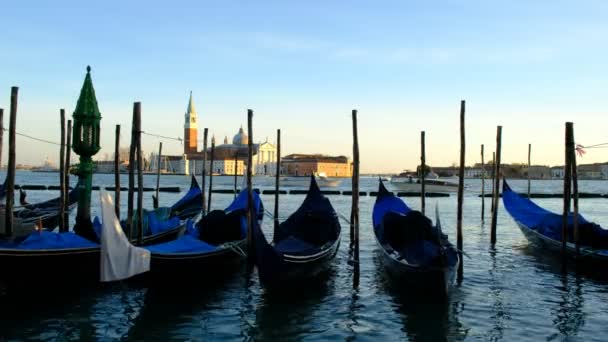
pixel 343 217
pixel 236 249
pixel 33 138
pixel 603 145
pixel 163 137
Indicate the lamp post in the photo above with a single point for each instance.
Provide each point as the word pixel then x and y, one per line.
pixel 86 144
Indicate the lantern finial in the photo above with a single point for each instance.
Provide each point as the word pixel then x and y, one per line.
pixel 88 69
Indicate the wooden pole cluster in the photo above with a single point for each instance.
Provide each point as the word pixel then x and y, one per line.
pixel 276 185
pixel 459 237
pixel 529 164
pixel 203 171
pixel 496 198
pixel 68 156
pixel 140 177
pixel 569 151
pixel 131 229
pixel 251 214
pixel 355 200
pixel 62 223
pixel 10 172
pixel 211 173
pixel 483 187
pixel 160 153
pixel 422 173
pixel 117 172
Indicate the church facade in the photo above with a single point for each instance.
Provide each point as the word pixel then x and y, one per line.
pixel 228 157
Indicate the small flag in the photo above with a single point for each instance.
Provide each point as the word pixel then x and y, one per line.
pixel 579 150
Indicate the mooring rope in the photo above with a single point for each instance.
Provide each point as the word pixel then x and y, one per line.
pixel 235 248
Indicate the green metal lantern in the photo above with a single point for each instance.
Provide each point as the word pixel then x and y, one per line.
pixel 86 120
pixel 86 144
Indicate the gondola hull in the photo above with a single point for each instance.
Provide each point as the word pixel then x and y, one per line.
pixel 431 266
pixel 46 268
pixel 555 246
pixel 438 280
pixel 543 229
pixel 165 268
pixel 298 269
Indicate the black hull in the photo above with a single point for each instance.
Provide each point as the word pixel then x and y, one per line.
pixel 45 268
pixel 431 280
pixel 299 269
pixel 545 243
pixel 165 268
pixel 77 266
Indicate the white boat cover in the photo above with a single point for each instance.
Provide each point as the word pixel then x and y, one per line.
pixel 119 258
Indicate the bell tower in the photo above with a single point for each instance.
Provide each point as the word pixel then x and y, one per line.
pixel 190 129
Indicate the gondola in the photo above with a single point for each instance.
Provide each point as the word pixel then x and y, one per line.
pixel 165 223
pixel 216 242
pixel 543 228
pixel 67 257
pixel 45 214
pixel 303 245
pixel 414 252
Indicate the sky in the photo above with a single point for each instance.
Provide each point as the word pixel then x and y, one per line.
pixel 302 66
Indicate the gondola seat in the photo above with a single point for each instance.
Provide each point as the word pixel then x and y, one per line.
pixel 217 227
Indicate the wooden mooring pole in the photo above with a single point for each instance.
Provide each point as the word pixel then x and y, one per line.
pixel 276 186
pixel 117 172
pixel 251 212
pixel 203 171
pixel 68 156
pixel 575 196
pixel 10 171
pixel 496 198
pixel 483 187
pixel 459 237
pixel 160 153
pixel 493 182
pixel 422 173
pixel 569 140
pixel 140 177
pixel 130 193
pixel 62 223
pixel 355 199
pixel 211 173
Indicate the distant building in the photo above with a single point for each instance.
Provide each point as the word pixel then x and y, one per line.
pixel 538 172
pixel 308 164
pixel 590 171
pixel 557 172
pixel 228 157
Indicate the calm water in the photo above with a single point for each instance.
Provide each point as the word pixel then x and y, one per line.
pixel 509 292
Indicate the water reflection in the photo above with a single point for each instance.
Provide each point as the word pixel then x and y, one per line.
pixel 289 314
pixel 500 311
pixel 568 315
pixel 48 313
pixel 182 310
pixel 425 317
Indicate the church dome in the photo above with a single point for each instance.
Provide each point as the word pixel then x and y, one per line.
pixel 240 138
